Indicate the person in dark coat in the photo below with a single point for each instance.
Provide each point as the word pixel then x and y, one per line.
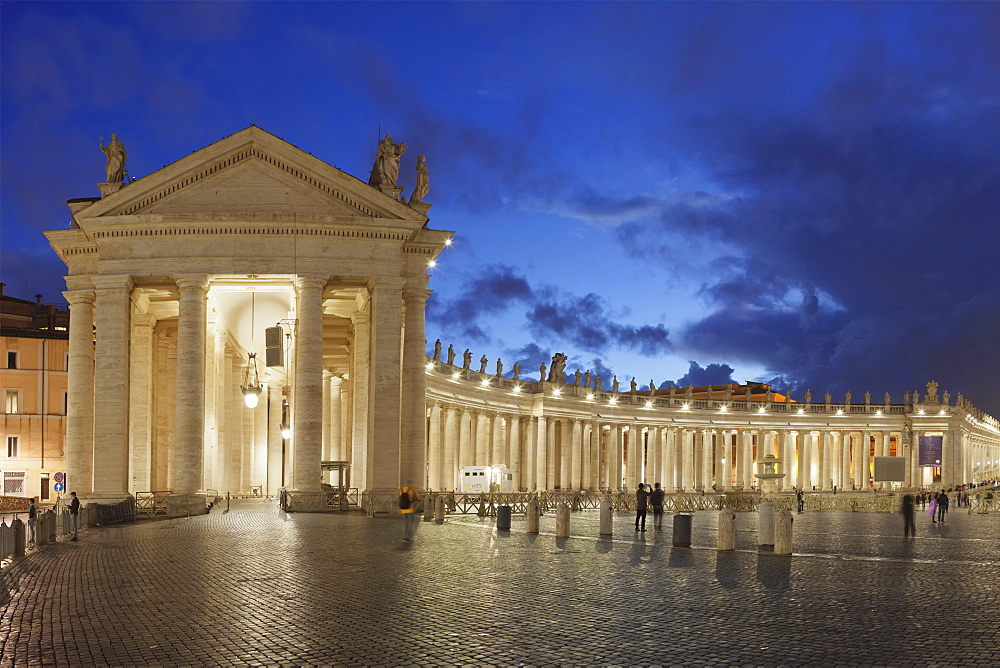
pixel 641 504
pixel 907 510
pixel 942 508
pixel 656 500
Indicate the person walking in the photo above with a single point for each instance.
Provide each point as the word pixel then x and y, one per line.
pixel 74 511
pixel 641 505
pixel 942 506
pixel 800 501
pixel 32 518
pixel 408 497
pixel 907 510
pixel 656 500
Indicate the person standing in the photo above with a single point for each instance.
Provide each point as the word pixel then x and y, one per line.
pixel 74 511
pixel 408 497
pixel 32 517
pixel 942 506
pixel 656 500
pixel 907 510
pixel 800 501
pixel 641 505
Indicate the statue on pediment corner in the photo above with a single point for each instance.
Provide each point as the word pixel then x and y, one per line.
pixel 385 171
pixel 116 157
pixel 420 190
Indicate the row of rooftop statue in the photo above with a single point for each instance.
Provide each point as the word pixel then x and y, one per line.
pixel 557 374
pixel 384 174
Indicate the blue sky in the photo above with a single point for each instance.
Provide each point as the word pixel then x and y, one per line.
pixel 800 193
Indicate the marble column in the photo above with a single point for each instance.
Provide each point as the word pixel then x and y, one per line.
pixel 327 422
pixel 861 461
pixel 79 449
pixel 113 306
pixel 707 458
pixel 595 456
pixel 307 434
pixel 434 447
pixel 947 453
pixel 384 470
pixel 514 440
pixel 551 459
pixel 530 477
pixel 541 450
pixel 687 484
pixel 275 443
pixel 360 391
pixel 452 417
pixel 336 419
pixel 616 480
pixel 576 447
pixel 466 448
pixel 484 432
pixel 190 420
pixel 141 399
pixel 498 446
pixel 413 423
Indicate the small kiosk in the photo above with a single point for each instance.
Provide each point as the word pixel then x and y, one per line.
pixel 486 479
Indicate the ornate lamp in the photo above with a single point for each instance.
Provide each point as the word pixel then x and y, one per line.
pixel 251 386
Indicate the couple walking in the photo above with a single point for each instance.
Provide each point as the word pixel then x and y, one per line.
pixel 644 497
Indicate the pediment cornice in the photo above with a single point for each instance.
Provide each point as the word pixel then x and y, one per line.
pixel 348 195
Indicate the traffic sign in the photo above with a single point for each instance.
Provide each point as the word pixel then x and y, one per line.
pixel 59 477
pixel 58 487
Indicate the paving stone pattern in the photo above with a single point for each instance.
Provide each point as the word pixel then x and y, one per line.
pixel 259 587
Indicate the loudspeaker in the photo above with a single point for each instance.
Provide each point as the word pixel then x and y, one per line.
pixel 273 349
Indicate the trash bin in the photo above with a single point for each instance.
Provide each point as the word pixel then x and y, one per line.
pixel 503 518
pixel 682 530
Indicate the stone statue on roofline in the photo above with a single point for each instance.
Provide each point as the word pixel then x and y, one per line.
pixel 467 359
pixel 727 393
pixel 633 386
pixel 116 157
pixel 888 399
pixel 847 398
pixel 517 371
pixel 557 373
pixel 932 388
pixel 916 397
pixel 420 190
pixel 689 392
pixel 652 387
pixel 708 395
pixel 769 395
pixel 673 390
pixel 946 398
pixel 614 383
pixel 868 398
pixel 451 354
pixel 499 367
pixel 597 383
pixel 437 350
pixel 541 371
pixel 906 399
pixel 385 171
pixel 577 376
pixel 483 361
pixel 586 379
pixel 827 398
pixel 749 395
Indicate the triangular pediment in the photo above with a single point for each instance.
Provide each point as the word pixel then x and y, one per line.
pixel 250 172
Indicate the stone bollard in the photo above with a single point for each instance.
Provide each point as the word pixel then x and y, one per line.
pixel 607 517
pixel 727 529
pixel 428 507
pixel 682 530
pixel 19 537
pixel 531 516
pixel 783 533
pixel 439 509
pixel 562 521
pixel 503 518
pixel 765 515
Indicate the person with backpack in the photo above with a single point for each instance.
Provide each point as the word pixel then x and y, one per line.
pixel 656 500
pixel 408 497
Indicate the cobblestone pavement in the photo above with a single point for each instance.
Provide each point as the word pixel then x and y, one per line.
pixel 256 586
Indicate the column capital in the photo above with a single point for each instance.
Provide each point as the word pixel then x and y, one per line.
pixel 113 282
pixel 184 281
pixel 75 297
pixel 386 283
pixel 313 281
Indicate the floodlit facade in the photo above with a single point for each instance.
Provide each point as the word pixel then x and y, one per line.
pixel 33 377
pixel 250 317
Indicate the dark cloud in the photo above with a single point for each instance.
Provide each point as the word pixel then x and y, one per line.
pixel 712 374
pixel 494 290
pixel 585 322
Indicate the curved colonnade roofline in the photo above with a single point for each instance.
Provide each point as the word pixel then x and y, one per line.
pixel 551 435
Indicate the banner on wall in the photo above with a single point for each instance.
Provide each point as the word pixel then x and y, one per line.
pixel 930 450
